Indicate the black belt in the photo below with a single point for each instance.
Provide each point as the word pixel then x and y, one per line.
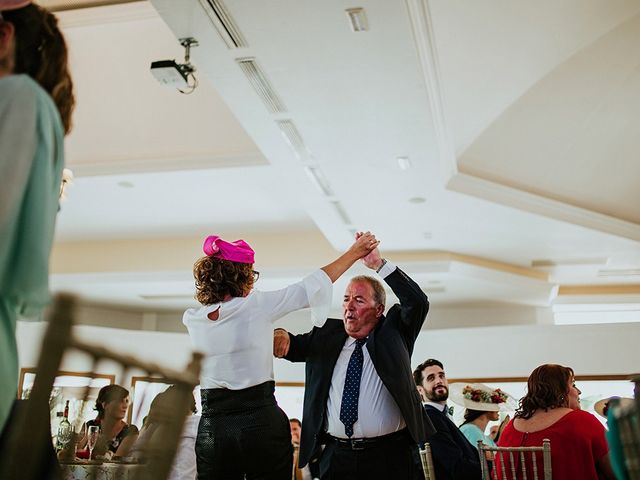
pixel 364 443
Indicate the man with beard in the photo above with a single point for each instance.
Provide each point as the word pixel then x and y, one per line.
pixel 453 456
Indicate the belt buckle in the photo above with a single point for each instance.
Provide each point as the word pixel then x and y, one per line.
pixel 357 444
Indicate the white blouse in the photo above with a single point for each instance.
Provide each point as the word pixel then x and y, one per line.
pixel 238 347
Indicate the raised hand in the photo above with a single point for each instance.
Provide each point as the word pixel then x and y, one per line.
pixel 365 243
pixel 373 259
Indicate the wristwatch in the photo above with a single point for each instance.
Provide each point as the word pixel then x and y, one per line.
pixel 384 262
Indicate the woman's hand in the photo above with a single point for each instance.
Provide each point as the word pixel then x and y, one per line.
pixel 365 244
pixel 371 260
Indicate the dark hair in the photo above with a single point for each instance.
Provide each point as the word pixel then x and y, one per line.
pixel 41 53
pixel 471 415
pixel 547 388
pixel 107 394
pixel 217 278
pixel 379 295
pixel 417 373
pixel 295 420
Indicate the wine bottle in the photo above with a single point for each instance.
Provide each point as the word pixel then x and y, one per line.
pixel 65 431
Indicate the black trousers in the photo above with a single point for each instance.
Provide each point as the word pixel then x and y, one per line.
pixel 390 457
pixel 243 434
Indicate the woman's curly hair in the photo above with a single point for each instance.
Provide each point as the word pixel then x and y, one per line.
pixel 547 388
pixel 217 278
pixel 41 53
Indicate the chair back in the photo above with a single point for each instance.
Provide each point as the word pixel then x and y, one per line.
pixel 628 426
pixel 427 462
pixel 516 463
pixel 22 458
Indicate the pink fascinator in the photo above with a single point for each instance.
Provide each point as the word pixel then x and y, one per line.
pixel 238 251
pixel 13 4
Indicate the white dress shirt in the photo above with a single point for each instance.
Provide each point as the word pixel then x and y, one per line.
pixel 378 412
pixel 238 347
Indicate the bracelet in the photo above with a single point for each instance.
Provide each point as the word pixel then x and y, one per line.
pixel 384 262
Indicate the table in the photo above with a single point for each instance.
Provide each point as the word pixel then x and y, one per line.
pixel 99 471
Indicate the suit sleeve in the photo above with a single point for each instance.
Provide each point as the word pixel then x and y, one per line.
pixel 299 346
pixel 414 304
pixel 448 456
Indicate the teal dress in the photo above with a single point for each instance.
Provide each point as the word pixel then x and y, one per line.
pixel 473 434
pixel 31 163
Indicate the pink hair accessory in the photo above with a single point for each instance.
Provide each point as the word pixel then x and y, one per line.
pixel 238 251
pixel 13 4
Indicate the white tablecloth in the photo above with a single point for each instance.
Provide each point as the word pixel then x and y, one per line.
pixel 104 471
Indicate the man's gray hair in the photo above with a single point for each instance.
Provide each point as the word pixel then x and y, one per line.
pixel 379 295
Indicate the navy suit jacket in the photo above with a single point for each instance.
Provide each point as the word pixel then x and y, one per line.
pixel 454 458
pixel 390 346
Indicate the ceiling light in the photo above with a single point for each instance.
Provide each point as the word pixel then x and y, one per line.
pixel 357 19
pixel 584 314
pixel 125 184
pixel 404 163
pixel 417 200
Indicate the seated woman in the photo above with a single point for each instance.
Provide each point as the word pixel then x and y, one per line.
pixel 551 409
pixel 116 436
pixel 482 406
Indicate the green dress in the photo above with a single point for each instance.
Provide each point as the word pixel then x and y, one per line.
pixel 31 163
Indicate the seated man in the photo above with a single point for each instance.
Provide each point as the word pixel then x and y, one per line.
pixel 454 457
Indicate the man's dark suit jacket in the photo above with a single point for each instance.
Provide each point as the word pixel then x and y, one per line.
pixel 454 457
pixel 390 346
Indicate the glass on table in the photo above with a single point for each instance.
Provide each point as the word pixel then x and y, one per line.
pixel 93 432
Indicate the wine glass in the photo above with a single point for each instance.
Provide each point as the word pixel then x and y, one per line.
pixel 65 434
pixel 93 433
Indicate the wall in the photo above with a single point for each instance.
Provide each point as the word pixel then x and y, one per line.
pixel 466 352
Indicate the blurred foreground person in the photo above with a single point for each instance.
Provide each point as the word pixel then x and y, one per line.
pixel 36 101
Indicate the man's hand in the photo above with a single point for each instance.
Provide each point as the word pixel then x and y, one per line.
pixel 372 260
pixel 281 342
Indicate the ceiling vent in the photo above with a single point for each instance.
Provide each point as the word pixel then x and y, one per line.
pixel 261 85
pixel 342 213
pixel 357 19
pixel 622 272
pixel 293 138
pixel 319 180
pixel 224 23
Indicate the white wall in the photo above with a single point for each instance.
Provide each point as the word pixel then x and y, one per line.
pixel 466 352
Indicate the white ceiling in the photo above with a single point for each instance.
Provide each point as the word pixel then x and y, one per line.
pixel 518 119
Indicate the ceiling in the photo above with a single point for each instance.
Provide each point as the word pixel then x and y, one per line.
pixel 518 121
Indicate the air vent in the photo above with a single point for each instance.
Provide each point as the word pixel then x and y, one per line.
pixel 357 19
pixel 568 262
pixel 342 213
pixel 622 272
pixel 224 23
pixel 319 180
pixel 261 85
pixel 167 296
pixel 293 138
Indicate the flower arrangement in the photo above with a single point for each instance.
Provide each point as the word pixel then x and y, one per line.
pixel 482 396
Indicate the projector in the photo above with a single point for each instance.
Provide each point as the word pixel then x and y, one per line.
pixel 169 74
pixel 176 75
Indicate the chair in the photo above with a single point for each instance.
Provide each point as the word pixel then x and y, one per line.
pixel 513 460
pixel 427 463
pixel 22 457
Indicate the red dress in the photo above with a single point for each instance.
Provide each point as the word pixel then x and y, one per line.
pixel 577 441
